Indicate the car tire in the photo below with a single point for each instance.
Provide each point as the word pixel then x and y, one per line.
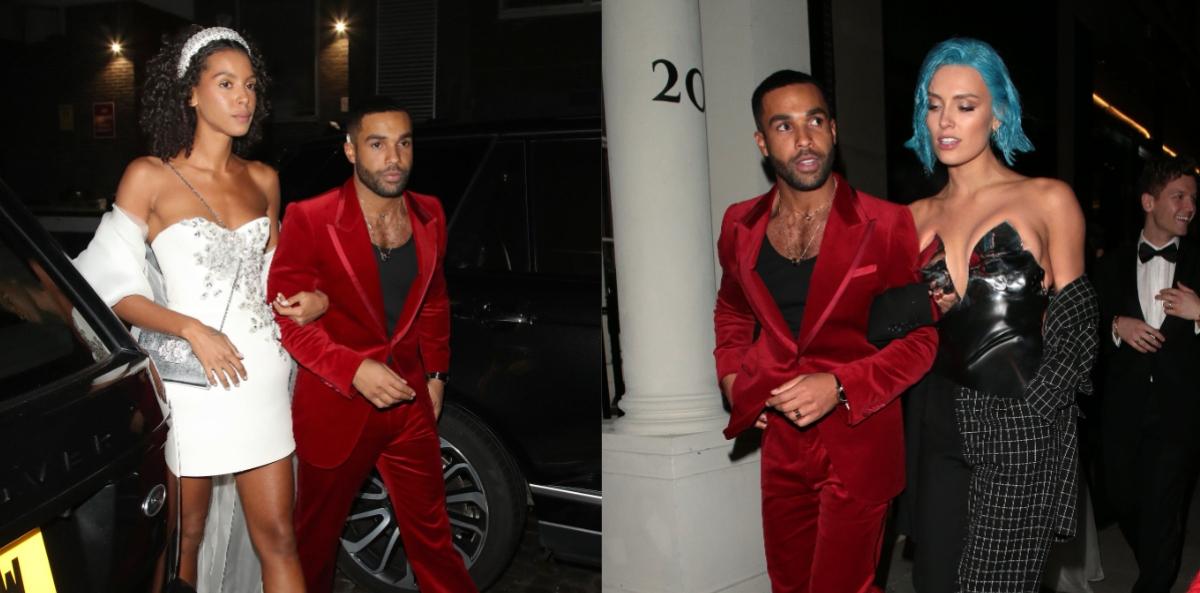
pixel 485 498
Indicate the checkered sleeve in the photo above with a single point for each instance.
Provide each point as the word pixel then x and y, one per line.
pixel 1071 340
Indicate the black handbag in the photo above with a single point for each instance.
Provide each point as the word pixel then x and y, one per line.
pixel 897 311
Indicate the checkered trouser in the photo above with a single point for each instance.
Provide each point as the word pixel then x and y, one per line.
pixel 1023 454
pixel 1012 501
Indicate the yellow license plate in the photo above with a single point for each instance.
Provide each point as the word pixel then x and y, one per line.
pixel 25 567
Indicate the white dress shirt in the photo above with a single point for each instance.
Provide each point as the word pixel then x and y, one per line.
pixel 1152 277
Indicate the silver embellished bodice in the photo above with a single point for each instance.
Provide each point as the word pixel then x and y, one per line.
pixel 200 261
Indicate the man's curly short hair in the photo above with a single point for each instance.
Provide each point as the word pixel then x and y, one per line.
pixel 1161 170
pixel 166 119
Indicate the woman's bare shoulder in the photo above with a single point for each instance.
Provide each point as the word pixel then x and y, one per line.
pixel 144 169
pixel 140 185
pixel 264 177
pixel 925 209
pixel 1052 196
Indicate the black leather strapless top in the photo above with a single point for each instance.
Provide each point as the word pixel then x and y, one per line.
pixel 991 340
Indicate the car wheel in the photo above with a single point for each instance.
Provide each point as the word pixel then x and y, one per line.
pixel 485 498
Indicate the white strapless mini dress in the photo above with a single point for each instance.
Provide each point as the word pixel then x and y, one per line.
pixel 216 430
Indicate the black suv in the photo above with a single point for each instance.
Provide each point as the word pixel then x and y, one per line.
pixel 82 475
pixel 521 422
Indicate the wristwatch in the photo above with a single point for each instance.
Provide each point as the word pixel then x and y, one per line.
pixel 842 394
pixel 443 376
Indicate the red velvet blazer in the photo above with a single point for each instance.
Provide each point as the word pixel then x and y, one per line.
pixel 324 244
pixel 869 245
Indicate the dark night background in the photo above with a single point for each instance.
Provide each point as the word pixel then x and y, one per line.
pixel 498 60
pixel 450 61
pixel 468 62
pixel 1142 57
pixel 473 63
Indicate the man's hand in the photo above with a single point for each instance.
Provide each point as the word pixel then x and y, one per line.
pixel 806 398
pixel 1138 334
pixel 1180 302
pixel 437 389
pixel 303 307
pixel 381 385
pixel 727 386
pixel 943 300
pixel 727 391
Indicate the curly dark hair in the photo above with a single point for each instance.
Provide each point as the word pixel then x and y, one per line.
pixel 1161 170
pixel 167 120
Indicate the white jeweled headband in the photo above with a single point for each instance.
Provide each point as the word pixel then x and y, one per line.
pixel 203 38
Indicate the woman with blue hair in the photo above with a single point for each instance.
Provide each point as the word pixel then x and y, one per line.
pixel 992 430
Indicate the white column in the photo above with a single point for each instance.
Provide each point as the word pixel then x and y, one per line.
pixel 681 508
pixel 744 42
pixel 653 95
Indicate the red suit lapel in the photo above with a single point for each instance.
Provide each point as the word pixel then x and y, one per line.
pixel 352 244
pixel 425 233
pixel 842 248
pixel 748 240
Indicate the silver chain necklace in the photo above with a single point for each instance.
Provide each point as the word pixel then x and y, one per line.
pixel 375 230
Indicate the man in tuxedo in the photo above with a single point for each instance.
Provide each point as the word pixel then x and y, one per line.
pixel 1151 399
pixel 801 265
pixel 373 368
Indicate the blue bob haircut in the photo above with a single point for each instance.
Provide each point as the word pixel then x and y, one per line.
pixel 1006 104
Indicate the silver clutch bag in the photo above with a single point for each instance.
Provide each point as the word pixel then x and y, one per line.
pixel 173 357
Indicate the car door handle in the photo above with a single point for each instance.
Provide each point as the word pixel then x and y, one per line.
pixel 513 318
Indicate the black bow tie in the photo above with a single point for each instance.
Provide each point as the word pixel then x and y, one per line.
pixel 1147 253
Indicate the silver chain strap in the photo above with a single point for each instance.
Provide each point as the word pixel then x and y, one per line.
pixel 219 221
pixel 197 194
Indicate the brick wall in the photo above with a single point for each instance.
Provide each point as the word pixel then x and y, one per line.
pixel 45 163
pixel 333 75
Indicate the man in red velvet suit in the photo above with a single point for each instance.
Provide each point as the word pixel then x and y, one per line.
pixel 801 266
pixel 372 370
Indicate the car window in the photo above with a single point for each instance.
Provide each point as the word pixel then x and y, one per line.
pixel 444 167
pixel 490 229
pixel 43 337
pixel 564 195
pixel 312 171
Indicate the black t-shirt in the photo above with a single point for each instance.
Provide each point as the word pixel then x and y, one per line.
pixel 396 275
pixel 787 281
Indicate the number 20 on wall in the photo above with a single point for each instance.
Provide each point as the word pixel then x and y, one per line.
pixel 692 80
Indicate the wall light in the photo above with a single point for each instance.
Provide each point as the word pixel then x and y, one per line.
pixel 339 27
pixel 116 48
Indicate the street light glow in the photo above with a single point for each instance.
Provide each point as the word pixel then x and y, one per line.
pixel 339 26
pixel 1117 113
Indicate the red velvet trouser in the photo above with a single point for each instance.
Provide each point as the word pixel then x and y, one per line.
pixel 403 443
pixel 818 538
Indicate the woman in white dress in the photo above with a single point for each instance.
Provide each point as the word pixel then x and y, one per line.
pixel 210 218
